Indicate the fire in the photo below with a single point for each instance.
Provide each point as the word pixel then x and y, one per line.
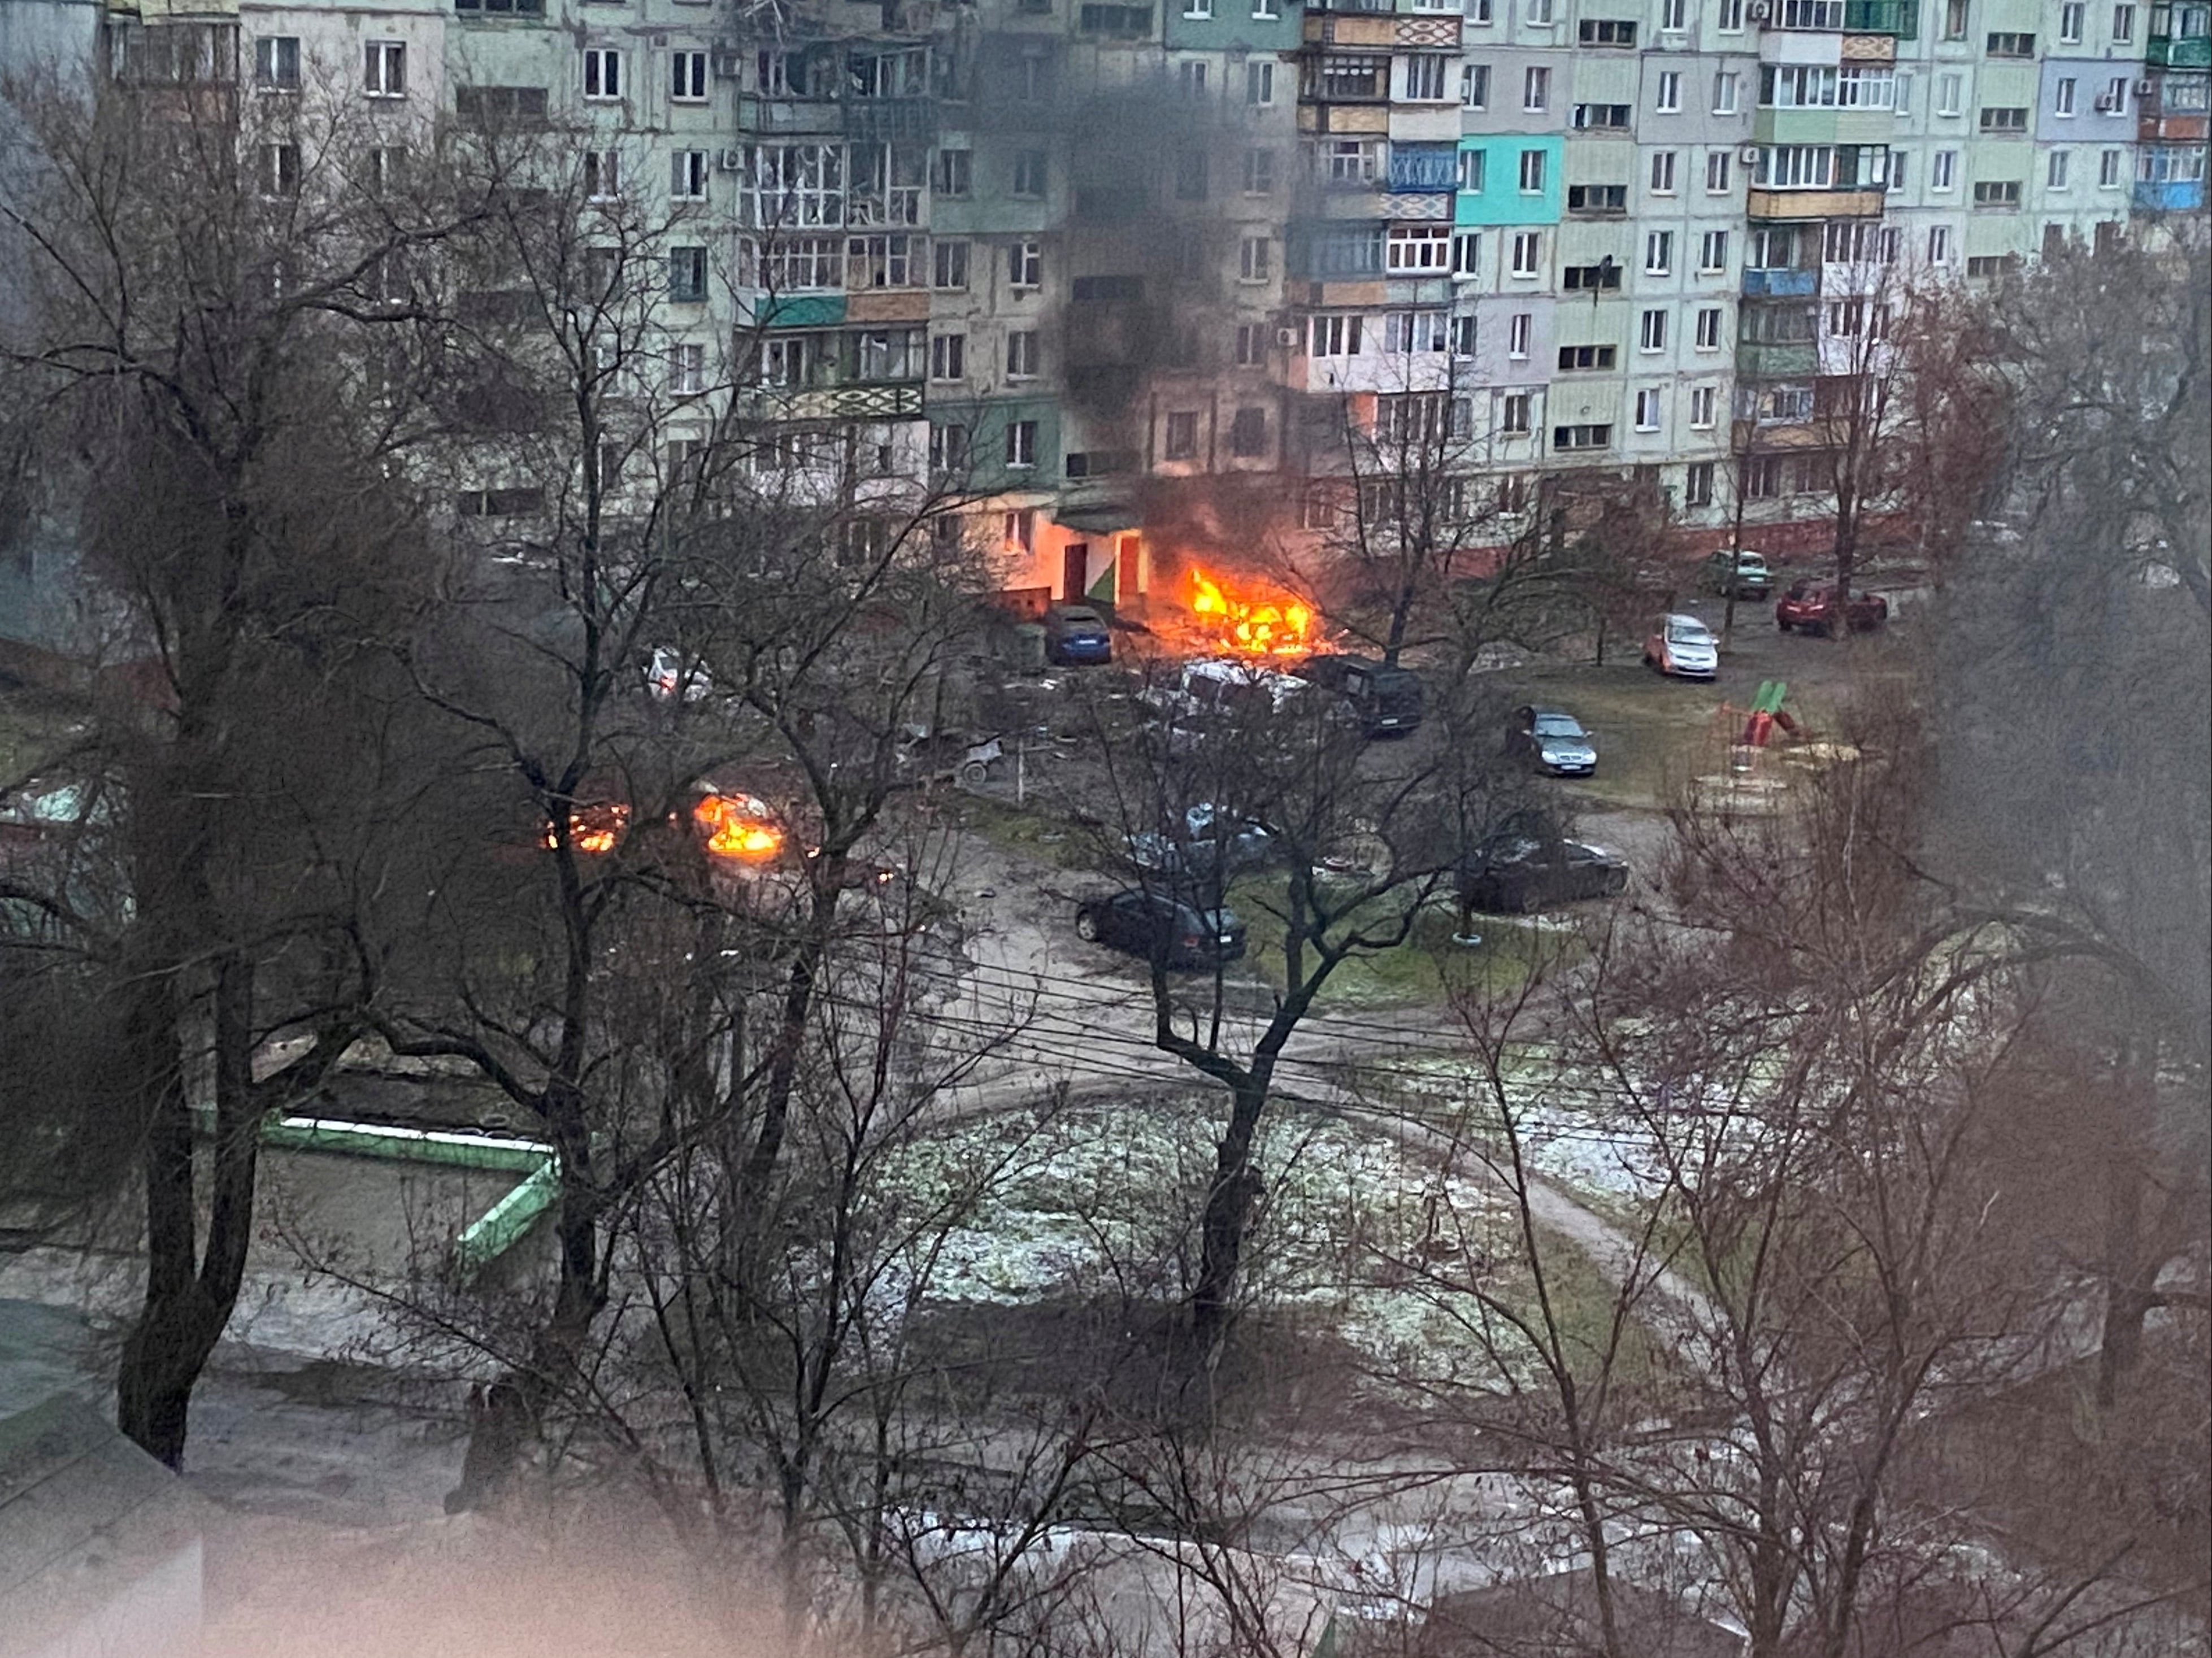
pixel 1264 625
pixel 738 826
pixel 594 828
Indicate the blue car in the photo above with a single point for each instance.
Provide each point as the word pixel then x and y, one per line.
pixel 1075 635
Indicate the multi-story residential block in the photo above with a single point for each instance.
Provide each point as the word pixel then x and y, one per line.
pixel 1134 284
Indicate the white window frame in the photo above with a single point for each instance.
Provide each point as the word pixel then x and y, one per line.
pixel 1024 354
pixel 1535 89
pixel 1943 172
pixel 1669 96
pixel 1648 401
pixel 1718 171
pixel 1260 84
pixel 380 59
pixel 1475 86
pixel 1519 329
pixel 271 61
pixel 1528 255
pixel 1534 166
pixel 687 369
pixel 1731 21
pixel 2071 16
pixel 1950 94
pixel 1703 401
pixel 691 79
pixel 603 74
pixel 1652 333
pixel 1713 252
pixel 1707 337
pixel 1659 253
pixel 688 172
pixel 1466 254
pixel 1662 172
pixel 1255 259
pixel 2056 169
pixel 1727 92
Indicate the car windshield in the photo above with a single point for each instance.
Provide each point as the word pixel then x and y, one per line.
pixel 1688 633
pixel 1556 725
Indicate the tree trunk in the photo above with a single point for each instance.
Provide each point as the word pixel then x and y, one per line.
pixel 1229 1203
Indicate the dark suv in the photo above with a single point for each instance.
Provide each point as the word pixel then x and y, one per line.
pixel 1529 864
pixel 1161 928
pixel 1388 701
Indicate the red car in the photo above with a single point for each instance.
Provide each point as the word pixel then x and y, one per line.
pixel 1811 605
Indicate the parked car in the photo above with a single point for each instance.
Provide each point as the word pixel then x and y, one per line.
pixel 1551 740
pixel 1529 865
pixel 1076 634
pixel 1736 572
pixel 1161 928
pixel 1683 647
pixel 670 674
pixel 1389 699
pixel 1811 605
pixel 1207 842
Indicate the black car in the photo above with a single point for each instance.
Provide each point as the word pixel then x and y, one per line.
pixel 1388 701
pixel 1551 740
pixel 1528 867
pixel 1161 928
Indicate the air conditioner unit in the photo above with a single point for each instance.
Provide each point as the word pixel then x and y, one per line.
pixel 660 43
pixel 1748 156
pixel 2108 104
pixel 730 160
pixel 729 63
pixel 1286 336
pixel 1760 10
pixel 2144 88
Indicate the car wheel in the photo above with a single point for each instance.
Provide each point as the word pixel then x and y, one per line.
pixel 1616 883
pixel 1782 623
pixel 1527 901
pixel 1086 927
pixel 974 774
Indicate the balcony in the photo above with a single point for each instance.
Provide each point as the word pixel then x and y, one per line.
pixel 891 120
pixel 2179 51
pixel 789 115
pixel 2169 196
pixel 1899 18
pixel 1768 360
pixel 1780 284
pixel 836 403
pixel 1798 205
pixel 1424 169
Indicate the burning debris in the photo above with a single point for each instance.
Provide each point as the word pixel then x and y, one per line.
pixel 738 826
pixel 1252 619
pixel 596 827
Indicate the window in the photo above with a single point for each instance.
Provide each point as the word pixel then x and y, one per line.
pixel 1985 266
pixel 602 175
pixel 1697 482
pixel 1575 358
pixel 1701 407
pixel 1417 331
pixel 1532 171
pixel 1670 91
pixel 1190 80
pixel 2005 119
pixel 686 76
pixel 1709 328
pixel 949 266
pixel 1603 276
pixel 2061 99
pixel 1475 86
pixel 1726 85
pixel 1658 252
pixel 1247 434
pixel 2009 43
pixel 1021 443
pixel 383 71
pixel 603 74
pixel 1597 198
pixel 1536 90
pixel 1022 354
pixel 1260 84
pixel 1336 337
pixel 1199 8
pixel 1943 170
pixel 1467 253
pixel 687 175
pixel 1348 160
pixel 2123 25
pixel 1190 176
pixel 1712 251
pixel 1025 264
pixel 1341 77
pixel 1029 174
pixel 1527 252
pixel 1251 344
pixel 1954 20
pixel 1181 442
pixel 1124 20
pixel 1423 247
pixel 1259 173
pixel 1949 89
pixel 1462 336
pixel 1795 167
pixel 948 357
pixel 1731 21
pixel 1540 14
pixel 2108 170
pixel 687 274
pixel 1481 11
pixel 1717 172
pixel 1939 244
pixel 1662 173
pixel 1255 259
pixel 1426 74
pixel 1903 84
pixel 687 370
pixel 1517 329
pixel 1673 16
pixel 1266 11
pixel 280 169
pixel 1651 334
pixel 1603 115
pixel 2116 95
pixel 2055 176
pixel 1994 192
pixel 276 63
pixel 1647 411
pixel 1472 165
pixel 955 172
pixel 948 449
pixel 1514 412
pixel 1605 32
pixel 1847 317
pixel 1582 437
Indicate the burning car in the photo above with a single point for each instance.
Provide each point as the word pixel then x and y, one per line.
pixel 1252 617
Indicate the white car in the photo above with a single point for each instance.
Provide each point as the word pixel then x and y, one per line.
pixel 1684 648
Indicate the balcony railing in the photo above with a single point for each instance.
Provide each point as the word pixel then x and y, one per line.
pixel 2169 196
pixel 1424 170
pixel 2179 51
pixel 1766 360
pixel 1780 284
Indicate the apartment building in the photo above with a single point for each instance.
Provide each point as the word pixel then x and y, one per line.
pixel 1124 278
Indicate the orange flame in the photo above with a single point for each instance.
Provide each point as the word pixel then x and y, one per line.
pixel 594 828
pixel 1278 624
pixel 738 826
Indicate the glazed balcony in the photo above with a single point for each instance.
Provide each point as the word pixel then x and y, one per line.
pixel 1780 284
